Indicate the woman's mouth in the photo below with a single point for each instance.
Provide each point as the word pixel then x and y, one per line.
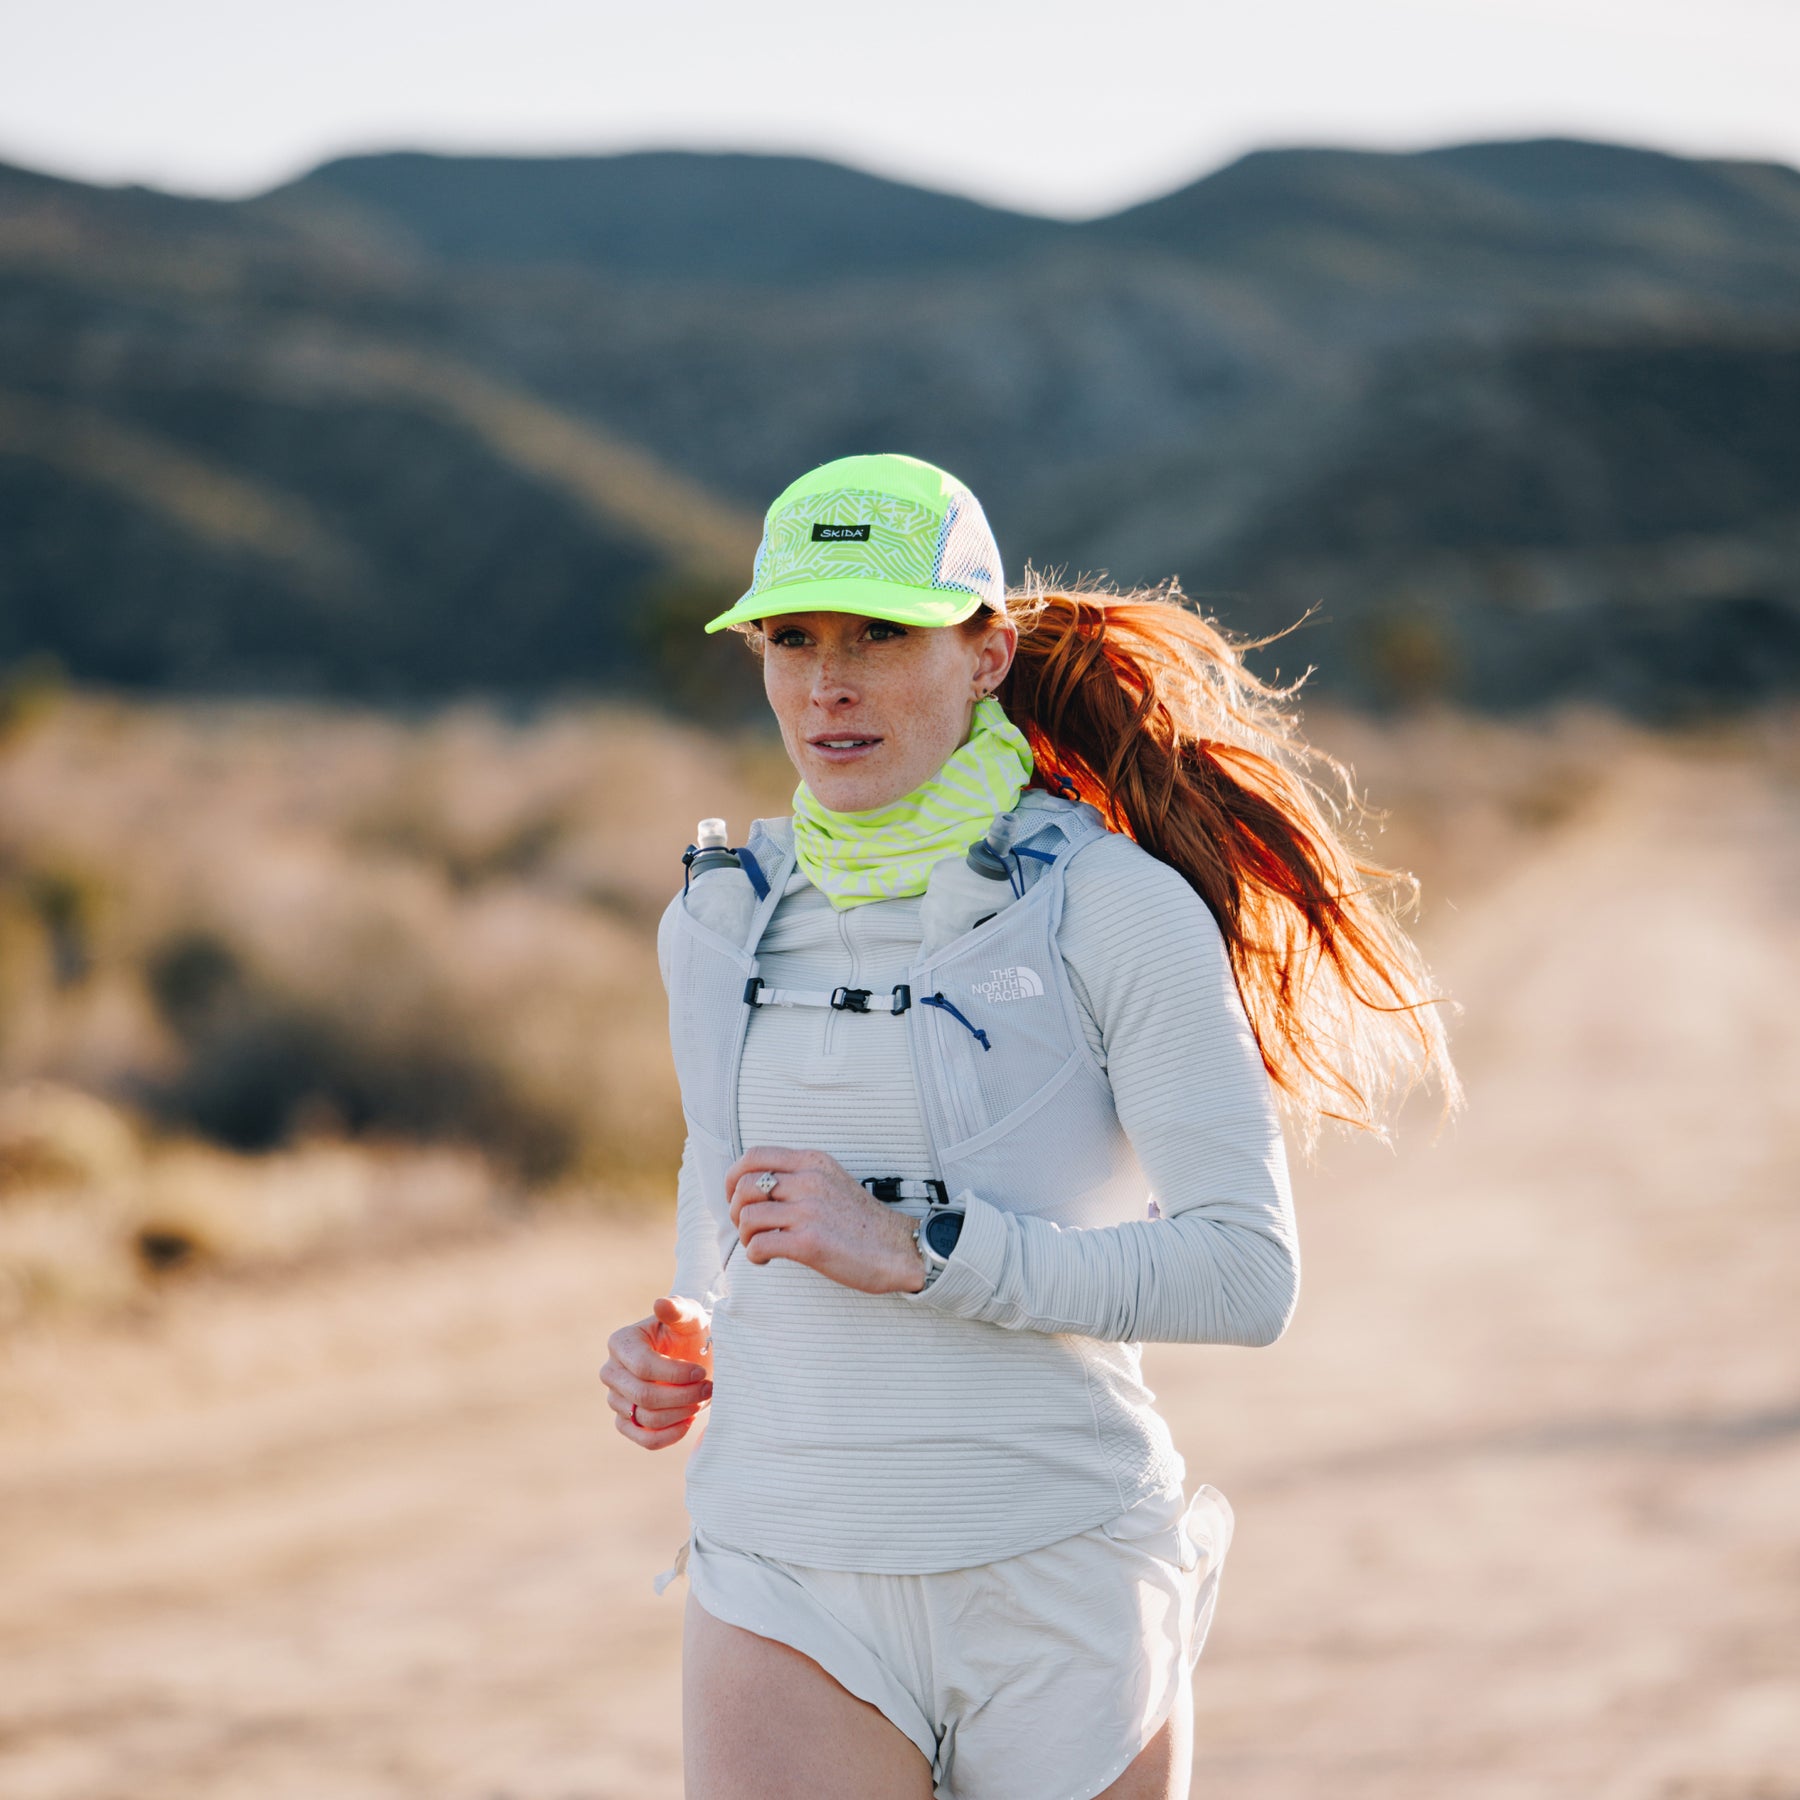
pixel 842 746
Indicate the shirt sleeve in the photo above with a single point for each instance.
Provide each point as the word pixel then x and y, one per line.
pixel 1221 1264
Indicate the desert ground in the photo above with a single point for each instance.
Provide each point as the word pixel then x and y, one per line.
pixel 1518 1495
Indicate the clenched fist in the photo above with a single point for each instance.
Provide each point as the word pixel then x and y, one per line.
pixel 658 1373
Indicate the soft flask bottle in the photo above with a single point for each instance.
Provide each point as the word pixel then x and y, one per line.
pixel 720 896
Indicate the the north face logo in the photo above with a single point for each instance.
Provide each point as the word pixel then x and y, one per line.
pixel 1019 983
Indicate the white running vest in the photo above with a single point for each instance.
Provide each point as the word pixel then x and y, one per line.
pixel 1026 1120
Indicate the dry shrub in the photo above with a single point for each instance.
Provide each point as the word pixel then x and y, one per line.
pixel 54 1137
pixel 295 916
pixel 97 1209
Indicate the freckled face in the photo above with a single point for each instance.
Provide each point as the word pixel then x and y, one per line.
pixel 870 710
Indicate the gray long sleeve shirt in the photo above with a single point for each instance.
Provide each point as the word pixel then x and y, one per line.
pixel 852 1430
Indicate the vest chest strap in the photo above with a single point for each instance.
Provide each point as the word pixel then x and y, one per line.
pixel 839 999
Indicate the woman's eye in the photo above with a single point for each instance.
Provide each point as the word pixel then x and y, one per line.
pixel 883 628
pixel 788 640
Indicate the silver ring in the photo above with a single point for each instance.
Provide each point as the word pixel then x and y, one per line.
pixel 765 1182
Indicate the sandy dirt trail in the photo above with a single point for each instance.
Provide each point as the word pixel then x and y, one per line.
pixel 1518 1495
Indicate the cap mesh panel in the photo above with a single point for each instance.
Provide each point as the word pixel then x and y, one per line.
pixel 967 556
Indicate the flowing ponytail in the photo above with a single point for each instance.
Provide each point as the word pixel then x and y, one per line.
pixel 1145 708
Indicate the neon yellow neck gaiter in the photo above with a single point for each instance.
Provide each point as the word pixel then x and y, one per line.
pixel 888 853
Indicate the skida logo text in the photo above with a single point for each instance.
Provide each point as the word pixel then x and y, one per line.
pixel 1017 983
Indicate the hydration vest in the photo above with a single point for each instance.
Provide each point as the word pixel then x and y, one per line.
pixel 1016 1106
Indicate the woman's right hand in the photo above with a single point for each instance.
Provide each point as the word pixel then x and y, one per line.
pixel 662 1366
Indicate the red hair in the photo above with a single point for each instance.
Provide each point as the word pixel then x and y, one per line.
pixel 1145 708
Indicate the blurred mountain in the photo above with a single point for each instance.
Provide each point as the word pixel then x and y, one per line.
pixel 661 215
pixel 1553 516
pixel 1546 222
pixel 1511 420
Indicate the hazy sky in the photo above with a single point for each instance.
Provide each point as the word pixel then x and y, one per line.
pixel 1037 103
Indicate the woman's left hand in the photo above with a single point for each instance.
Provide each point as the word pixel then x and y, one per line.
pixel 818 1216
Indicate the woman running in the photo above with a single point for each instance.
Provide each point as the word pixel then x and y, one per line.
pixel 981 1055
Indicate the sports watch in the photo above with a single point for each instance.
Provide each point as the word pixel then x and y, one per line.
pixel 936 1236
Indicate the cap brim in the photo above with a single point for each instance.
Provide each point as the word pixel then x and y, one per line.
pixel 854 594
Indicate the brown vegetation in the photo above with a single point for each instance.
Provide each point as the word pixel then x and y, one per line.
pixel 1516 1494
pixel 394 971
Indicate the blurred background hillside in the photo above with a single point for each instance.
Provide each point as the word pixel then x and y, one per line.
pixel 355 534
pixel 1515 421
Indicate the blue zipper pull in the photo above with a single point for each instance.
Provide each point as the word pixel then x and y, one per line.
pixel 938 1000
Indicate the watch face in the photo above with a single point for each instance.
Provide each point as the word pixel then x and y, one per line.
pixel 942 1230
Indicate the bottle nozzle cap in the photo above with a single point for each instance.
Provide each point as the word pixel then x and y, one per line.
pixel 711 834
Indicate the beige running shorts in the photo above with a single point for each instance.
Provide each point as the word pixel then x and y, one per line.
pixel 1038 1677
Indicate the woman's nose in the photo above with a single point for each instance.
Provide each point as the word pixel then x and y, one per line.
pixel 832 685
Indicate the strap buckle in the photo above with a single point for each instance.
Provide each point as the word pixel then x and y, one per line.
pixel 849 999
pixel 890 1188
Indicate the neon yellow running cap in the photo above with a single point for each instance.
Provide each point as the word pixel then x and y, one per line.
pixel 889 537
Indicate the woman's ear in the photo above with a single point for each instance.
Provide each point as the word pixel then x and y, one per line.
pixel 995 656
